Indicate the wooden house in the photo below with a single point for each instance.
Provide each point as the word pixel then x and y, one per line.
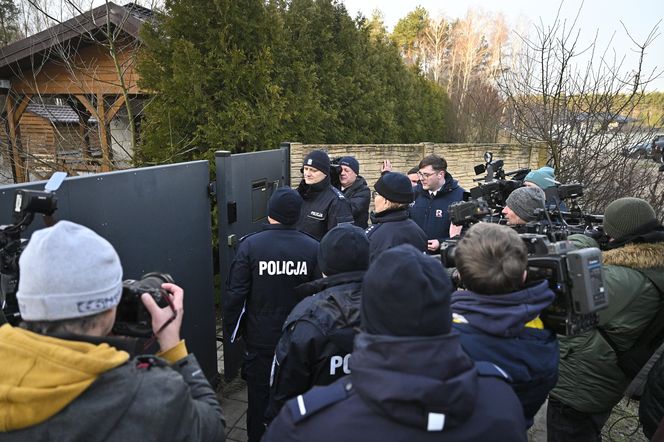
pixel 71 94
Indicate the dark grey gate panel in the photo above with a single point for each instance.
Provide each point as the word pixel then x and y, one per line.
pixel 158 219
pixel 245 182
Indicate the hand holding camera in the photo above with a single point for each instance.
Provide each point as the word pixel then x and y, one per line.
pixel 166 321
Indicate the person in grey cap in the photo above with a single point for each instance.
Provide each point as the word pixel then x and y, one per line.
pixel 62 378
pixel 521 205
pixel 260 294
pixel 595 366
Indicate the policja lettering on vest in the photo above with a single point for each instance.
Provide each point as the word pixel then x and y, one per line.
pixel 282 268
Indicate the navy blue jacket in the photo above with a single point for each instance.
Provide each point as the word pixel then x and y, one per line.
pixel 267 267
pixel 406 389
pixel 317 338
pixel 323 208
pixel 430 213
pixel 392 228
pixel 505 329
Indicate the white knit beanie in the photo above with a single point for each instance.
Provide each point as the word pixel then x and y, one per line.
pixel 67 271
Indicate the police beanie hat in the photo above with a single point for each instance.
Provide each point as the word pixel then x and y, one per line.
pixel 350 162
pixel 345 248
pixel 542 177
pixel 395 187
pixel 625 216
pixel 318 159
pixel 284 206
pixel 68 271
pixel 406 293
pixel 524 200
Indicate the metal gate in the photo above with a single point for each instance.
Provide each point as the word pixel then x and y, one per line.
pixel 158 219
pixel 244 185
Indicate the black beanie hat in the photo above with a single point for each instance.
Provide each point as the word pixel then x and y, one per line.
pixel 345 248
pixel 395 187
pixel 626 216
pixel 284 206
pixel 406 293
pixel 318 159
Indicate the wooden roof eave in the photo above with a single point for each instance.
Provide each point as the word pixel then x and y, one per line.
pixel 72 28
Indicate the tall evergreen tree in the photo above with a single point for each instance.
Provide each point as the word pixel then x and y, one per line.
pixel 9 29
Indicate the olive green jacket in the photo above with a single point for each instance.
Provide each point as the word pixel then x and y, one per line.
pixel 589 378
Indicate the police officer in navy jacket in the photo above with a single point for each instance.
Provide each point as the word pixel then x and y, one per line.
pixel 324 205
pixel 318 335
pixel 410 379
pixel 260 294
pixel 391 225
pixel 429 211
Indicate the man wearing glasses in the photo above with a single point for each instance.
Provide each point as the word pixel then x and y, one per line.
pixel 429 211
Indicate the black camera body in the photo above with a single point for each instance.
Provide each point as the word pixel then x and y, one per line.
pixel 132 318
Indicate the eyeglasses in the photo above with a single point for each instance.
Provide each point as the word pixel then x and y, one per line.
pixel 426 175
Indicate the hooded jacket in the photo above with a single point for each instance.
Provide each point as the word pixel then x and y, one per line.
pixel 359 198
pixel 317 338
pixel 56 389
pixel 590 380
pixel 405 389
pixel 323 208
pixel 430 213
pixel 506 330
pixel 392 228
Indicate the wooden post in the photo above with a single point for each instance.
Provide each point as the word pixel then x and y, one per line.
pixel 103 134
pixel 13 118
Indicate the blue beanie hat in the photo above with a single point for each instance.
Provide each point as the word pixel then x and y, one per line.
pixel 418 306
pixel 319 160
pixel 350 162
pixel 284 206
pixel 543 177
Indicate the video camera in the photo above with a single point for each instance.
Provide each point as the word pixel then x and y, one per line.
pixel 496 187
pixel 132 319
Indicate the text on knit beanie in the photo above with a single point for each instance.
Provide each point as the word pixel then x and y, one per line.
pixel 350 162
pixel 68 271
pixel 406 293
pixel 319 160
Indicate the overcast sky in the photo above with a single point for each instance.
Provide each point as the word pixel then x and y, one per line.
pixel 597 16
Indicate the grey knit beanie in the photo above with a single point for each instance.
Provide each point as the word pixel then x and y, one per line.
pixel 68 271
pixel 524 200
pixel 625 216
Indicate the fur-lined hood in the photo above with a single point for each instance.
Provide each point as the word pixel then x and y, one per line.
pixel 636 256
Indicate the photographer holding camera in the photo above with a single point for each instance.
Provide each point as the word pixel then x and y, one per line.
pixel 521 205
pixel 63 378
pixel 593 370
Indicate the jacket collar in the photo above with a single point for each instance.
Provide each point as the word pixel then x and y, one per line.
pixel 389 216
pixel 317 286
pixel 309 191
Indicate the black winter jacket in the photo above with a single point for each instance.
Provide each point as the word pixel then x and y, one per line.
pixel 406 389
pixel 392 228
pixel 317 338
pixel 359 197
pixel 323 208
pixel 267 267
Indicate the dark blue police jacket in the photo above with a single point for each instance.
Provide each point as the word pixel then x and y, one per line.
pixel 267 267
pixel 430 213
pixel 406 389
pixel 505 329
pixel 392 228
